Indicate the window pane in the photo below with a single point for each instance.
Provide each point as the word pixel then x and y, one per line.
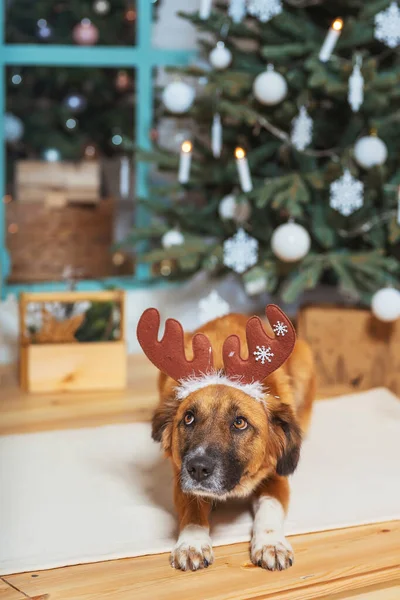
pixel 106 22
pixel 69 192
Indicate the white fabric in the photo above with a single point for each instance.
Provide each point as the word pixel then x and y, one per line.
pixel 88 495
pixel 191 384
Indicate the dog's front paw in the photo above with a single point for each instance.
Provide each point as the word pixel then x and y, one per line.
pixel 193 549
pixel 271 550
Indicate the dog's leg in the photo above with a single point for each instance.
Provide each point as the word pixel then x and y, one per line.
pixel 193 550
pixel 269 547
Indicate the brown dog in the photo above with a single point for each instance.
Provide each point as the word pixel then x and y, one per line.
pixel 231 436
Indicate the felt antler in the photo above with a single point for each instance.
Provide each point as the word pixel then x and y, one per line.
pixel 266 354
pixel 168 355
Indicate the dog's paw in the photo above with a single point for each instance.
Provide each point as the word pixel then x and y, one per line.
pixel 271 550
pixel 193 549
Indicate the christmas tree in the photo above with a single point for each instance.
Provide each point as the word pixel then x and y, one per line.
pixel 291 173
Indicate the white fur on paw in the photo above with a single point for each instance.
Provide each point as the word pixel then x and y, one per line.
pixel 271 550
pixel 193 550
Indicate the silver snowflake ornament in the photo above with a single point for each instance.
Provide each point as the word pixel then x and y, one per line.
pixel 240 251
pixel 387 25
pixel 264 10
pixel 212 306
pixel 302 129
pixel 237 10
pixel 280 328
pixel 263 354
pixel 347 194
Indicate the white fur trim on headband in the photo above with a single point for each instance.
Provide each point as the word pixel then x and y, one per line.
pixel 191 384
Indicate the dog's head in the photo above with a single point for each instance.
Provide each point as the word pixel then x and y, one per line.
pixel 223 432
pixel 224 442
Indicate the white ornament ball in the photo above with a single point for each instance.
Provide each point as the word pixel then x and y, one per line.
pixel 385 304
pixel 172 238
pixel 178 97
pixel 230 208
pixel 220 57
pixel 290 242
pixel 85 33
pixel 13 128
pixel 226 209
pixel 270 87
pixel 370 151
pixel 101 7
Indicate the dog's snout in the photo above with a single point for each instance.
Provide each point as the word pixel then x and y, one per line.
pixel 200 467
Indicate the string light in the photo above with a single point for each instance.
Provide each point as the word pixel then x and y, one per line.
pixel 89 151
pixel 51 155
pixel 71 123
pixel 130 15
pixel 116 139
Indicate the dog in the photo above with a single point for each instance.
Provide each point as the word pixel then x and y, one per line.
pixel 232 427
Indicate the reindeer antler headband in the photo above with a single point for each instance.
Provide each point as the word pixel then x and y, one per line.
pixel 266 354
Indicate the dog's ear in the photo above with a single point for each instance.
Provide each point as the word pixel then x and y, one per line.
pixel 287 436
pixel 161 426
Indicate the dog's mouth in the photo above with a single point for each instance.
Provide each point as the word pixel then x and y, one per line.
pixel 211 489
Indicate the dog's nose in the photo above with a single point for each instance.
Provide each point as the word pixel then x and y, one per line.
pixel 200 467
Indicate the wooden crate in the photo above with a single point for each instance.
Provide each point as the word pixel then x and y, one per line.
pixel 352 348
pixel 37 180
pixel 76 366
pixel 75 236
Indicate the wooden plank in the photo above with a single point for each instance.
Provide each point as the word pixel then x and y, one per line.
pixel 9 593
pixel 74 296
pixel 376 592
pixel 76 367
pixel 326 563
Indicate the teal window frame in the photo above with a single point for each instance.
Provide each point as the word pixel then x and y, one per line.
pixel 141 56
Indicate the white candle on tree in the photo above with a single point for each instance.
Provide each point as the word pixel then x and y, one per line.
pixel 185 161
pixel 331 40
pixel 205 9
pixel 243 170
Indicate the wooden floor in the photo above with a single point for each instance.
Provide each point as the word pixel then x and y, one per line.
pixel 359 563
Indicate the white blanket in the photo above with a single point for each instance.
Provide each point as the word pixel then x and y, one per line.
pixel 87 495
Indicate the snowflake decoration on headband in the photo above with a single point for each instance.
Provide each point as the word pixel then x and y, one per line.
pixel 264 10
pixel 387 26
pixel 263 354
pixel 280 328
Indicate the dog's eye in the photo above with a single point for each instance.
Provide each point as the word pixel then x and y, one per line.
pixel 188 419
pixel 240 423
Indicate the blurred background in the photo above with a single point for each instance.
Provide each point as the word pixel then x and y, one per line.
pixel 205 156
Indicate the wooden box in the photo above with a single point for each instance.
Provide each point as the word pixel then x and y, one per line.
pixel 77 366
pixel 41 181
pixel 351 348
